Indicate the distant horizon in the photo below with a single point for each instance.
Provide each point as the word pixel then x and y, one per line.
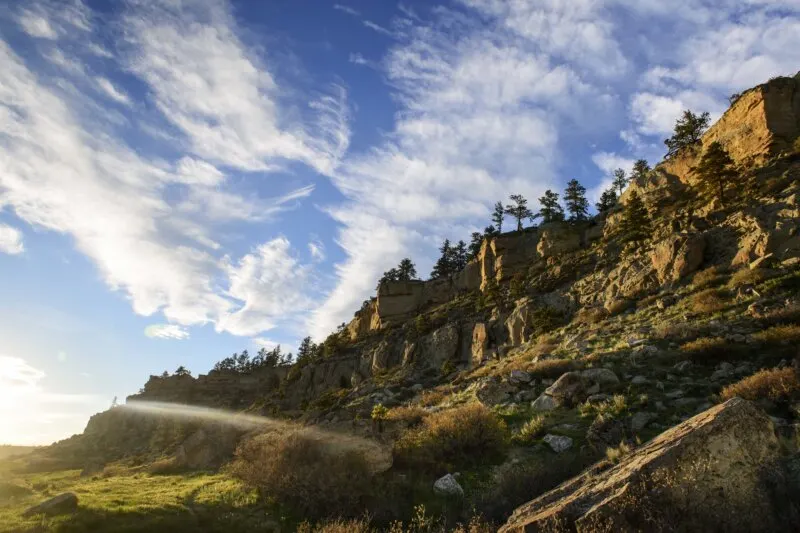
pixel 183 181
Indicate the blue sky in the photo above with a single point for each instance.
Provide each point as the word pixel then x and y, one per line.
pixel 182 179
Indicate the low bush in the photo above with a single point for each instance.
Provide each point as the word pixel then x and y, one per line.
pixel 709 350
pixel 778 385
pixel 615 307
pixel 746 276
pixel 708 301
pixel 788 314
pixel 410 415
pixel 530 431
pixel 304 474
pixel 591 315
pixel 786 334
pixel 466 435
pixel 551 368
pixel 710 277
pixel 614 408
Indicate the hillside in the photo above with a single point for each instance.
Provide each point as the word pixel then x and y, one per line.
pixel 558 348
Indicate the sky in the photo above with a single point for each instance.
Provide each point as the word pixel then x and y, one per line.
pixel 184 179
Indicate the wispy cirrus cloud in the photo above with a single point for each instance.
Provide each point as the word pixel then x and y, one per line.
pixel 166 331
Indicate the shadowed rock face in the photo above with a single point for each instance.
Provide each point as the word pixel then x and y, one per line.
pixel 709 471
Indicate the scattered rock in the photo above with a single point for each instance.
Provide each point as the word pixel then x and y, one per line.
pixel 558 443
pixel 665 302
pixel 447 485
pixel 640 420
pixel 724 371
pixel 605 431
pixel 598 398
pixel 518 377
pixel 416 388
pixel 493 391
pixel 602 376
pixel 639 380
pixel 677 393
pixel 544 402
pixel 683 366
pixel 61 504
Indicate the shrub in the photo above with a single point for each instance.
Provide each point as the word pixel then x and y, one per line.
pixel 709 349
pixel 618 306
pixel 788 314
pixel 432 397
pixel 786 334
pixel 710 277
pixel 551 368
pixel 410 415
pixel 708 301
pixel 304 474
pixel 591 315
pixel 746 276
pixel 777 384
pixel 530 431
pixel 544 319
pixel 466 435
pixel 615 408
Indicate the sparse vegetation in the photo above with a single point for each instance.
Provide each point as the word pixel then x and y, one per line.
pixel 710 277
pixel 530 431
pixel 777 384
pixel 465 435
pixel 708 301
pixel 709 350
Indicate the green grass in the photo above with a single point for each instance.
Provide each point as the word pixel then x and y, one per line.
pixel 137 502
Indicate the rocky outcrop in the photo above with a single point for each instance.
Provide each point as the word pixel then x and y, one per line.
pixel 677 256
pixel 706 470
pixel 558 238
pixel 505 255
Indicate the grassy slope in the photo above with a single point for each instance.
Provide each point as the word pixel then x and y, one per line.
pixel 136 502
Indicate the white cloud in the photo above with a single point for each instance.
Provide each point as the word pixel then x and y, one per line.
pixel 270 285
pixel 36 25
pixel 377 27
pixel 359 59
pixel 112 92
pixel 11 240
pixel 220 95
pixel 347 9
pixel 166 331
pixel 317 250
pixel 265 343
pixel 609 162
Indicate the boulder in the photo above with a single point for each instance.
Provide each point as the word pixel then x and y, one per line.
pixel 518 377
pixel 640 420
pixel 544 402
pixel 519 322
pixel 569 390
pixel 706 471
pixel 558 443
pixel 493 391
pixel 440 346
pixel 480 343
pixel 447 485
pixel 605 431
pixel 602 376
pixel 61 504
pixel 677 256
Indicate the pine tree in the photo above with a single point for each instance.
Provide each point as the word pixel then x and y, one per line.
pixel 306 350
pixel 406 271
pixel 620 180
pixel 607 201
pixel 688 130
pixel 497 216
pixel 459 261
pixel 443 266
pixel 635 224
pixel 575 198
pixel 181 371
pixel 640 169
pixel 551 211
pixel 519 209
pixel 475 243
pixel 716 169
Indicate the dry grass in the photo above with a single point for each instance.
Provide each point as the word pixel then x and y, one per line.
pixel 410 415
pixel 777 335
pixel 672 331
pixel 777 384
pixel 432 397
pixel 591 315
pixel 708 301
pixel 305 474
pixel 745 276
pixel 551 368
pixel 530 431
pixel 465 435
pixel 647 301
pixel 616 454
pixel 710 277
pixel 615 307
pixel 788 314
pixel 709 349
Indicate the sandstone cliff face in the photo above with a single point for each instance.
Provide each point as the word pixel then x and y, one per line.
pixel 762 123
pixel 709 471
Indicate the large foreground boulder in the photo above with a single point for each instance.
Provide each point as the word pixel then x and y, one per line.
pixel 61 504
pixel 710 473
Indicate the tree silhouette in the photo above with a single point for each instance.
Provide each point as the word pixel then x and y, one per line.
pixel 519 209
pixel 459 261
pixel 635 224
pixel 181 371
pixel 444 265
pixel 306 350
pixel 620 180
pixel 406 270
pixel 716 169
pixel 497 216
pixel 640 169
pixel 688 131
pixel 607 201
pixel 475 243
pixel 551 210
pixel 575 198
